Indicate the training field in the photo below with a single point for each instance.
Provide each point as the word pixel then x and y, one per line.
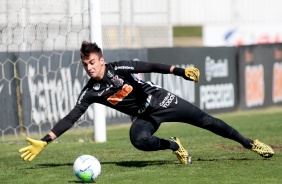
pixel 215 159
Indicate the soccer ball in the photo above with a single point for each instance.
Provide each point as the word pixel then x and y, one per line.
pixel 87 168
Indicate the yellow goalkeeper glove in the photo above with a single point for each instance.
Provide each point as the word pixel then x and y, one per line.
pixel 192 74
pixel 30 152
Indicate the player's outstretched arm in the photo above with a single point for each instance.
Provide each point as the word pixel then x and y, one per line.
pixel 31 151
pixel 190 73
pixel 36 146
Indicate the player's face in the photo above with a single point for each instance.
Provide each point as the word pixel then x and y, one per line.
pixel 94 66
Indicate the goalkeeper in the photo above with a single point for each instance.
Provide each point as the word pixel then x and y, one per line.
pixel 115 85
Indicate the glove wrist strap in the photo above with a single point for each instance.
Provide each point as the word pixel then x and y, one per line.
pixel 179 71
pixel 47 138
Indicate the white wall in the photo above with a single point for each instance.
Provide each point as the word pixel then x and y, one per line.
pixel 231 22
pixel 201 12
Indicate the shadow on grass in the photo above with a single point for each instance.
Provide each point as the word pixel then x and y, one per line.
pixel 138 163
pixel 122 163
pixel 49 165
pixel 145 163
pixel 74 181
pixel 222 159
pixel 55 165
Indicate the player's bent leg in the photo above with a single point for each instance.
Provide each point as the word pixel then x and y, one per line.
pixel 141 138
pixel 141 135
pixel 145 142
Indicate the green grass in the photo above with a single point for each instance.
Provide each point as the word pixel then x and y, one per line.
pixel 187 31
pixel 215 159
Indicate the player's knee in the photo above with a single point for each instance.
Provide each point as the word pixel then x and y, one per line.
pixel 217 126
pixel 208 122
pixel 140 141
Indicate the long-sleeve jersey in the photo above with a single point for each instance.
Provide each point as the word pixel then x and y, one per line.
pixel 119 89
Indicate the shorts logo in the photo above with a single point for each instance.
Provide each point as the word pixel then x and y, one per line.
pixel 117 81
pixel 167 100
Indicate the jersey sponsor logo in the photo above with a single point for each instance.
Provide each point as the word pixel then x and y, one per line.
pixel 120 95
pixel 124 67
pixel 96 86
pixel 167 100
pixel 117 81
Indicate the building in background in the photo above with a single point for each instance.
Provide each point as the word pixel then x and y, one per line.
pixel 231 22
pixel 51 25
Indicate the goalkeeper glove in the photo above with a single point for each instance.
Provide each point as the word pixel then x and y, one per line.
pixel 31 151
pixel 191 73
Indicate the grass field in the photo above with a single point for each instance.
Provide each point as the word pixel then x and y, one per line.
pixel 215 159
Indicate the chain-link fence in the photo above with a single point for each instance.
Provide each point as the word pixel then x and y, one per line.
pixel 40 71
pixel 62 25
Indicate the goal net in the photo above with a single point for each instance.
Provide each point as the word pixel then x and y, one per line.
pixel 41 74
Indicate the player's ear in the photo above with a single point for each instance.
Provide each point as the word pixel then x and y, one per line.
pixel 102 61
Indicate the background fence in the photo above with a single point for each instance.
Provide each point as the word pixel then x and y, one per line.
pixel 41 74
pixel 37 90
pixel 39 42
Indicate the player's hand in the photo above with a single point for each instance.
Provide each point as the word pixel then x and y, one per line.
pixel 31 151
pixel 192 74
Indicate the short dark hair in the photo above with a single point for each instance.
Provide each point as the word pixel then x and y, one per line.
pixel 87 48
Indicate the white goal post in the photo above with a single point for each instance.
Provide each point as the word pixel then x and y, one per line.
pixel 96 36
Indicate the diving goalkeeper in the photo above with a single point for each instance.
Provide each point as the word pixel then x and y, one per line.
pixel 115 85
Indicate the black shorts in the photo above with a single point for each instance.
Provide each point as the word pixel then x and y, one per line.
pixel 167 107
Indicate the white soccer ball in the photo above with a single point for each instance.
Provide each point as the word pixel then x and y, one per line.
pixel 87 168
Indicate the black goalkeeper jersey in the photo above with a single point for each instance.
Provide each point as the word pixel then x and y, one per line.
pixel 119 89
